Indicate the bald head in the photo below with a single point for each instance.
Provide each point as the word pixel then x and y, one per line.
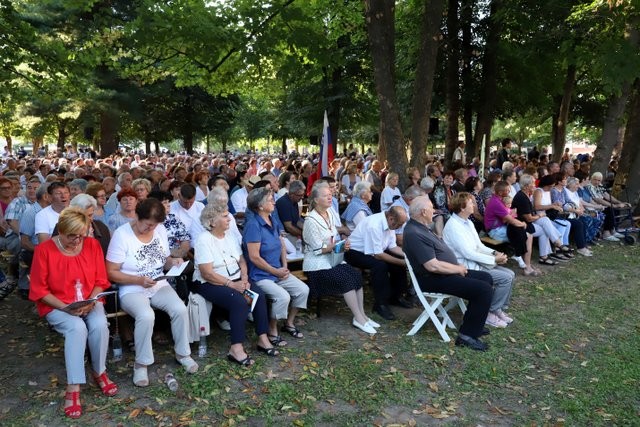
pixel 396 217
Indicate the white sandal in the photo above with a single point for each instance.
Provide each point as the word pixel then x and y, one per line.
pixel 140 377
pixel 189 364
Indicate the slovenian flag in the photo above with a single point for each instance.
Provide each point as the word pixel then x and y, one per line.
pixel 326 155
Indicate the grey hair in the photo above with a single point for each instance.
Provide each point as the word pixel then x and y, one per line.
pixel 413 192
pixel 295 186
pixel 84 201
pixel 211 212
pixel 42 190
pixel 419 203
pixel 142 181
pixel 257 197
pixel 526 180
pixel 427 184
pixel 360 188
pixel 121 177
pixel 315 193
pixel 597 175
pixel 80 183
pixel 217 197
pixel 572 180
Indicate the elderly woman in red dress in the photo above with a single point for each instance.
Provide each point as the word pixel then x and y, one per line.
pixel 67 268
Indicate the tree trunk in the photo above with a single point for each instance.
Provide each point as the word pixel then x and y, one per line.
pixel 424 80
pixel 156 147
pixel 108 131
pixel 484 120
pixel 466 18
pixel 62 134
pixel 629 165
pixel 187 134
pixel 283 145
pixel 453 83
pixel 7 136
pixel 614 119
pixel 36 142
pixel 379 16
pixel 560 119
pixel 147 143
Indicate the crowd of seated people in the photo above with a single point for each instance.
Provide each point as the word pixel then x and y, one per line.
pixel 238 219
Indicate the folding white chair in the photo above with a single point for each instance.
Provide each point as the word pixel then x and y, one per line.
pixel 433 308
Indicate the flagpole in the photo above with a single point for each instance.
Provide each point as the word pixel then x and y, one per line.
pixel 482 157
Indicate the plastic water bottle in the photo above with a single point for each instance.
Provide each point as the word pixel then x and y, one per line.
pixel 116 347
pixel 299 246
pixel 171 382
pixel 202 347
pixel 79 296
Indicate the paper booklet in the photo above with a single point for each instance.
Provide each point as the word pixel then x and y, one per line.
pixel 339 247
pixel 175 271
pixel 251 297
pixel 79 304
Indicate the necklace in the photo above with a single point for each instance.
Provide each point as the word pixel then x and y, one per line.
pixel 64 250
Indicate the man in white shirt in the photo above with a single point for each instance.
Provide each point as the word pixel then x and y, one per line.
pixel 373 247
pixel 188 210
pixel 47 218
pixel 239 197
pixel 461 237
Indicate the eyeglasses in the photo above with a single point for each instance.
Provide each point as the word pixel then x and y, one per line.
pixel 75 237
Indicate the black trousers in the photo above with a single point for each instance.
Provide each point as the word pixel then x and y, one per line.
pixel 387 280
pixel 518 238
pixel 476 287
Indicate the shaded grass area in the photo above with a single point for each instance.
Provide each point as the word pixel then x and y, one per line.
pixel 571 357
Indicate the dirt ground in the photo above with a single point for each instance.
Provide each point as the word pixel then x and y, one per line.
pixel 33 376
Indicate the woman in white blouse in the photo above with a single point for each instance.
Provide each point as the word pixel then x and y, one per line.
pixel 327 276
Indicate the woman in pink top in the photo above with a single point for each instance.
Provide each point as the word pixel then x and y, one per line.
pixel 501 225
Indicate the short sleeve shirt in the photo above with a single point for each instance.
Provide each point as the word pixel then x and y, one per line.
pixel 138 258
pixel 287 210
pixel 256 230
pixel 224 254
pixel 494 213
pixel 421 245
pixel 372 235
pixel 522 204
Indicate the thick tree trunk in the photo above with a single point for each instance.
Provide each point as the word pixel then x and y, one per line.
pixel 283 145
pixel 629 165
pixel 614 119
pixel 560 119
pixel 108 131
pixel 379 16
pixel 147 143
pixel 7 136
pixel 36 142
pixel 62 134
pixel 424 79
pixel 484 120
pixel 156 147
pixel 466 18
pixel 453 83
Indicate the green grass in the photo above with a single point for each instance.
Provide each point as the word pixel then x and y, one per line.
pixel 571 357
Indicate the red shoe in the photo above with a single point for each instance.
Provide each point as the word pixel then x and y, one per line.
pixel 74 410
pixel 108 388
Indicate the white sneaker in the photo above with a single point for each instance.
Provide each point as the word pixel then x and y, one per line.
pixel 504 317
pixel 224 325
pixel 584 252
pixel 495 321
pixel 611 239
pixel 520 261
pixel 364 328
pixel 618 235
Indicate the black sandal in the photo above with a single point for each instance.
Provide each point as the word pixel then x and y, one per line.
pixel 6 290
pixel 292 330
pixel 271 352
pixel 246 362
pixel 547 261
pixel 130 345
pixel 276 340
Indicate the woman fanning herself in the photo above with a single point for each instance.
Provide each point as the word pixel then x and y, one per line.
pixel 67 268
pixel 221 277
pixel 321 235
pixel 138 253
